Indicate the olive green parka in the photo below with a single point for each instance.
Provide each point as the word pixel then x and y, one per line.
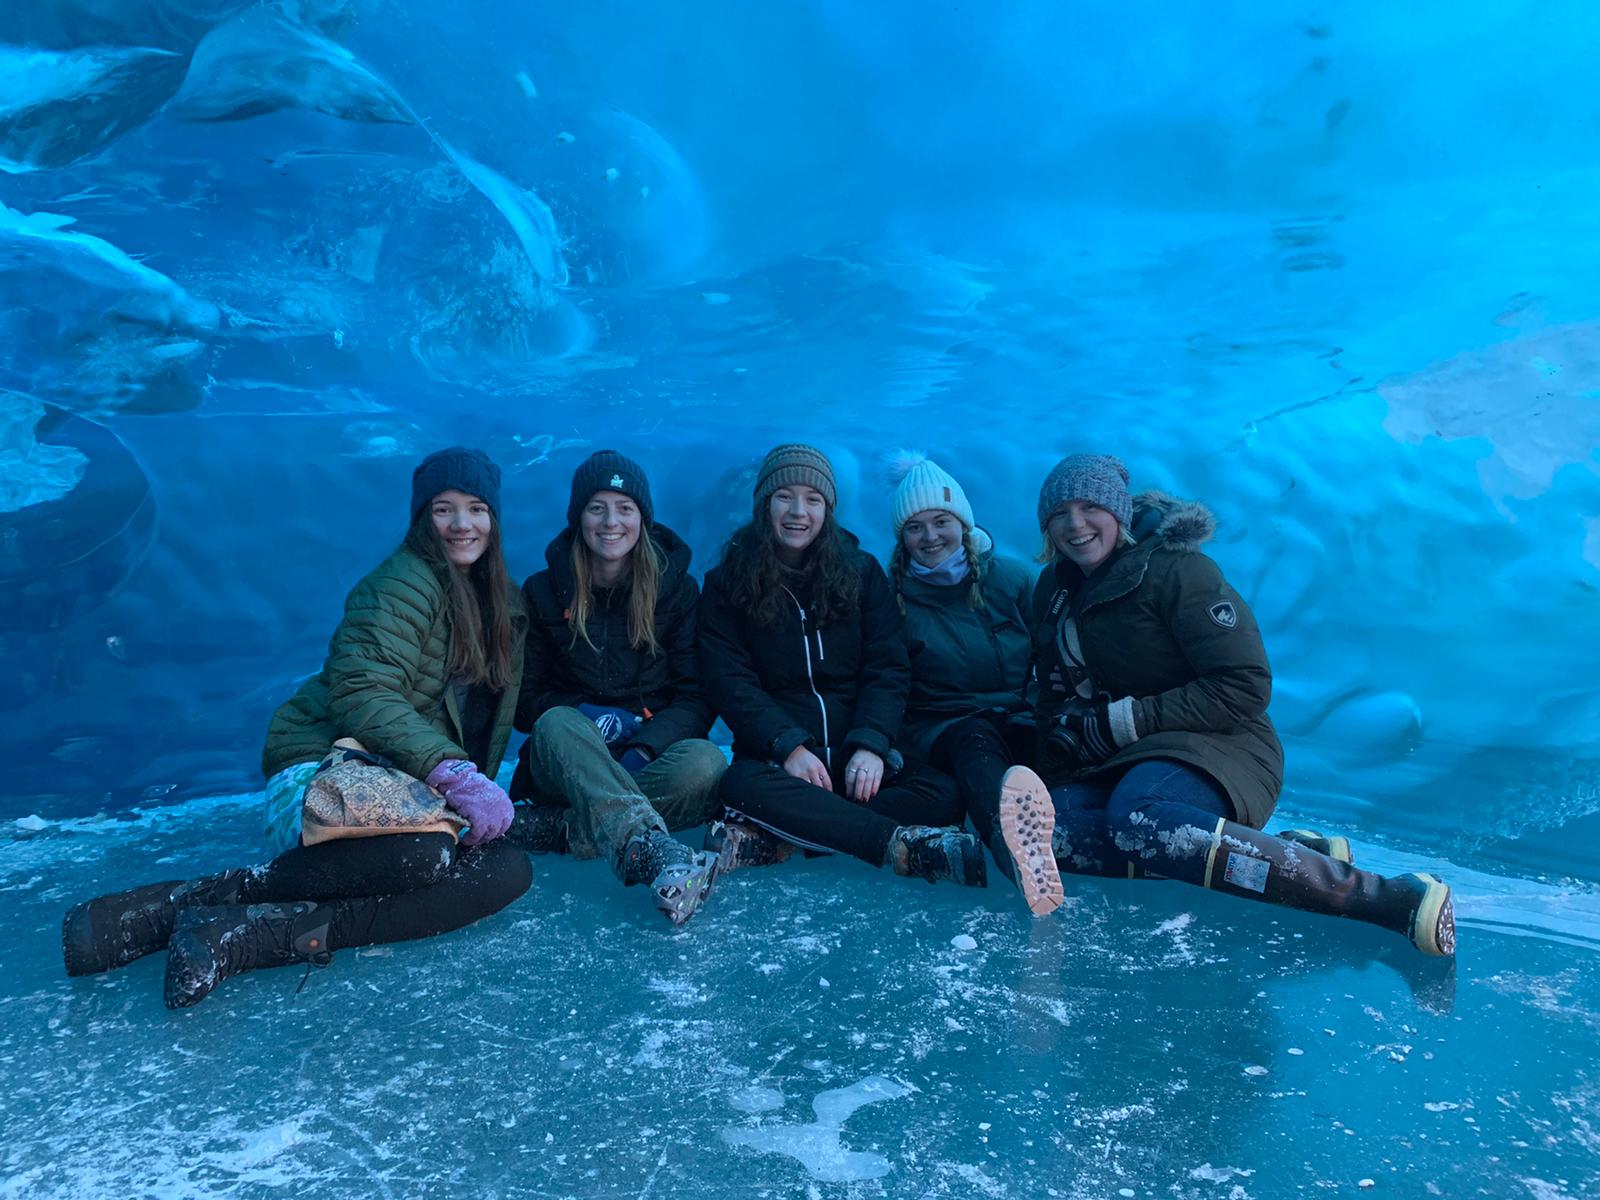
pixel 386 680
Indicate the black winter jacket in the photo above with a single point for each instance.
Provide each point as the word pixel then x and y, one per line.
pixel 834 688
pixel 559 670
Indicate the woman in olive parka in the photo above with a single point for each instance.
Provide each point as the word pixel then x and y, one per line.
pixel 1152 711
pixel 423 673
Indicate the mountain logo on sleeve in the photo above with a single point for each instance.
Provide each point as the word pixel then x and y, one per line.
pixel 1224 614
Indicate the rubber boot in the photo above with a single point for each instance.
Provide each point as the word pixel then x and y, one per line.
pixel 1335 846
pixel 539 828
pixel 680 880
pixel 741 844
pixel 937 852
pixel 1247 862
pixel 213 944
pixel 1027 821
pixel 112 931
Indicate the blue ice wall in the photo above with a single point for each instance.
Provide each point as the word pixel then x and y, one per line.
pixel 1327 266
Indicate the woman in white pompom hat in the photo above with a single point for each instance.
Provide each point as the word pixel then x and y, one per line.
pixel 967 631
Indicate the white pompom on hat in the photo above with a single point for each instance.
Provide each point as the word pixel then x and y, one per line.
pixel 921 484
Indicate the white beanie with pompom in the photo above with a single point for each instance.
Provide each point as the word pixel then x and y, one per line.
pixel 921 484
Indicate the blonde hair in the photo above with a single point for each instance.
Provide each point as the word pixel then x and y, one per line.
pixel 899 563
pixel 1049 554
pixel 647 563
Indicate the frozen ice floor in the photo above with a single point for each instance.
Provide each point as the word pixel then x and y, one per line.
pixel 815 1032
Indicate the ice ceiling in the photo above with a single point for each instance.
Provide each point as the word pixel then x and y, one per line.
pixel 1328 267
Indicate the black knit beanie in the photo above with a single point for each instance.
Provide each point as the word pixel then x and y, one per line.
pixel 459 468
pixel 608 471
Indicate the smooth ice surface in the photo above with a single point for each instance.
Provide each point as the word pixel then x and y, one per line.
pixel 1326 266
pixel 812 1032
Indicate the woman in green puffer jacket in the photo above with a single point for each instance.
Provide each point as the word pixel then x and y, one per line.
pixel 1152 706
pixel 423 672
pixel 966 623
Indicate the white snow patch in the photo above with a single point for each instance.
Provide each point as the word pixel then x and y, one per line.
pixel 964 941
pixel 1210 1174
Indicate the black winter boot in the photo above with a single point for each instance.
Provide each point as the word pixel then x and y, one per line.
pixel 1333 845
pixel 741 844
pixel 213 944
pixel 539 828
pixel 1247 862
pixel 679 879
pixel 113 931
pixel 935 853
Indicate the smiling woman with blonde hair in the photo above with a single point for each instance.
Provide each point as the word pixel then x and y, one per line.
pixel 611 693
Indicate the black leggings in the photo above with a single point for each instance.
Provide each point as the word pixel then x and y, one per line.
pixel 396 887
pixel 809 816
pixel 978 751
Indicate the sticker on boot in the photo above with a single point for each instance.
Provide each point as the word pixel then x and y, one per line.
pixel 1247 873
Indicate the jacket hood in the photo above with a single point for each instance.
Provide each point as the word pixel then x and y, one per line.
pixel 1180 524
pixel 558 558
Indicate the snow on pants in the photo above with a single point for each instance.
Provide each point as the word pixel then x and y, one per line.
pixel 572 765
pixel 396 887
pixel 1127 825
pixel 809 816
pixel 978 751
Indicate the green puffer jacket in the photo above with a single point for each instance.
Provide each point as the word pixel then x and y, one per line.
pixel 1158 623
pixel 385 681
pixel 964 660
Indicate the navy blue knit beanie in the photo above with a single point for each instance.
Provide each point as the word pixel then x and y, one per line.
pixel 461 469
pixel 608 471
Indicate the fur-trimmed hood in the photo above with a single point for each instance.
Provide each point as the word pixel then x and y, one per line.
pixel 1180 524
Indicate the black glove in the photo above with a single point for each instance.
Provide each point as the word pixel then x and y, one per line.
pixel 1087 732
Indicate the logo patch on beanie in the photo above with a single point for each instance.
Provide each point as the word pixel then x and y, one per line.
pixel 1224 614
pixel 947 493
pixel 616 481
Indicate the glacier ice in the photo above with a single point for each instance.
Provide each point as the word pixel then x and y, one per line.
pixel 1327 267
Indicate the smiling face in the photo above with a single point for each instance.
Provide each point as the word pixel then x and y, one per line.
pixel 931 536
pixel 1083 533
pixel 797 513
pixel 463 524
pixel 610 525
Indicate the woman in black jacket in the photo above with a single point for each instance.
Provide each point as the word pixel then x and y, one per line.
pixel 612 696
pixel 803 654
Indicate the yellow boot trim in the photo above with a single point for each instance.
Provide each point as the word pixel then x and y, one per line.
pixel 1216 844
pixel 1426 933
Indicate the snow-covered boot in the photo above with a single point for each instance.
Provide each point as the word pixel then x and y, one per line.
pixel 741 844
pixel 937 852
pixel 213 944
pixel 682 888
pixel 113 931
pixel 539 828
pixel 1027 821
pixel 1247 862
pixel 679 878
pixel 1333 845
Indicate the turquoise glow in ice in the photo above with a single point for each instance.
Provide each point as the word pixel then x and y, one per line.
pixel 1327 266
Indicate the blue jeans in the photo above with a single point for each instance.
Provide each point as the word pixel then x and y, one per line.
pixel 1149 821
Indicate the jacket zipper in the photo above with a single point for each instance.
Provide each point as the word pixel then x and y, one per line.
pixel 805 640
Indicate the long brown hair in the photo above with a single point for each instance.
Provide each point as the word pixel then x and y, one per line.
pixel 480 615
pixel 647 564
pixel 899 564
pixel 756 574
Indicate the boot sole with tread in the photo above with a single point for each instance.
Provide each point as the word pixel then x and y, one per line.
pixel 1027 821
pixel 1433 929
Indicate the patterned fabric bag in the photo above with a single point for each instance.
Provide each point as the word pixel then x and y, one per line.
pixel 355 793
